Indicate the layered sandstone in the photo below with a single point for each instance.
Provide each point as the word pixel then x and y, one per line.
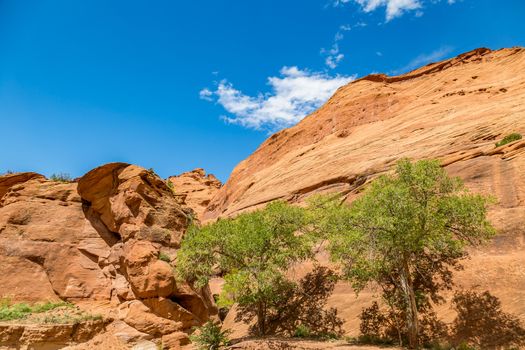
pixel 453 110
pixel 48 336
pixel 98 243
pixel 196 188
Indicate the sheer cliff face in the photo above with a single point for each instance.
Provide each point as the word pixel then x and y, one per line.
pixel 453 110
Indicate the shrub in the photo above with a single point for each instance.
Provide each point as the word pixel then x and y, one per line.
pixel 302 331
pixel 18 311
pixel 509 138
pixel 14 312
pixel 210 336
pixel 164 257
pixel 60 177
pixel 37 308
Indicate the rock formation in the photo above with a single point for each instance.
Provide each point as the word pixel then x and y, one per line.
pixel 109 242
pixel 453 110
pixel 48 336
pixel 196 188
pixel 98 243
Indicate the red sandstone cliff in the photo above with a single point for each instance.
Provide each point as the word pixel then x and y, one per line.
pixel 98 243
pixel 453 110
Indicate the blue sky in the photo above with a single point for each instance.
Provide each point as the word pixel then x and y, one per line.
pixel 176 85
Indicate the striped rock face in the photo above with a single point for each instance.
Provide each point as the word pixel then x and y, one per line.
pixel 454 111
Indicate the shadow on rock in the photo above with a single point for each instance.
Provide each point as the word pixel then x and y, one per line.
pixel 301 305
pixel 482 322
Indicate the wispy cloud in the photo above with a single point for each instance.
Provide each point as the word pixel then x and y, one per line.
pixel 206 94
pixel 424 59
pixel 294 94
pixel 393 8
pixel 333 56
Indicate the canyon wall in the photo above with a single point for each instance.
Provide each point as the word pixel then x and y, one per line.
pixel 454 111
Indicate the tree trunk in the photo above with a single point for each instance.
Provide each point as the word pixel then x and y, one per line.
pixel 261 319
pixel 412 314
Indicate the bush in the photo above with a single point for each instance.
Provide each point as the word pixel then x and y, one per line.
pixel 164 257
pixel 60 177
pixel 19 311
pixel 509 138
pixel 302 332
pixel 210 336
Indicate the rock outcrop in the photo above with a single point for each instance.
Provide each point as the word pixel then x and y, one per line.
pixel 453 110
pixel 196 188
pixel 46 243
pixel 48 336
pixel 98 243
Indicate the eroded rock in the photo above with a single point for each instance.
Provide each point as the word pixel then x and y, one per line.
pixel 196 188
pixel 99 241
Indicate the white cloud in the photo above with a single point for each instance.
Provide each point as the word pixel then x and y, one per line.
pixel 294 94
pixel 206 94
pixel 393 8
pixel 333 60
pixel 424 59
pixel 333 54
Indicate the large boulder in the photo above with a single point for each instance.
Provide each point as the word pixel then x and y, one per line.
pixel 42 230
pixel 9 180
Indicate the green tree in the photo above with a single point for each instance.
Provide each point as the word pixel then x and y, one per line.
pixel 405 233
pixel 252 252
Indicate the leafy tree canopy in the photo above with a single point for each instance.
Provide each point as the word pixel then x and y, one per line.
pixel 404 233
pixel 252 252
